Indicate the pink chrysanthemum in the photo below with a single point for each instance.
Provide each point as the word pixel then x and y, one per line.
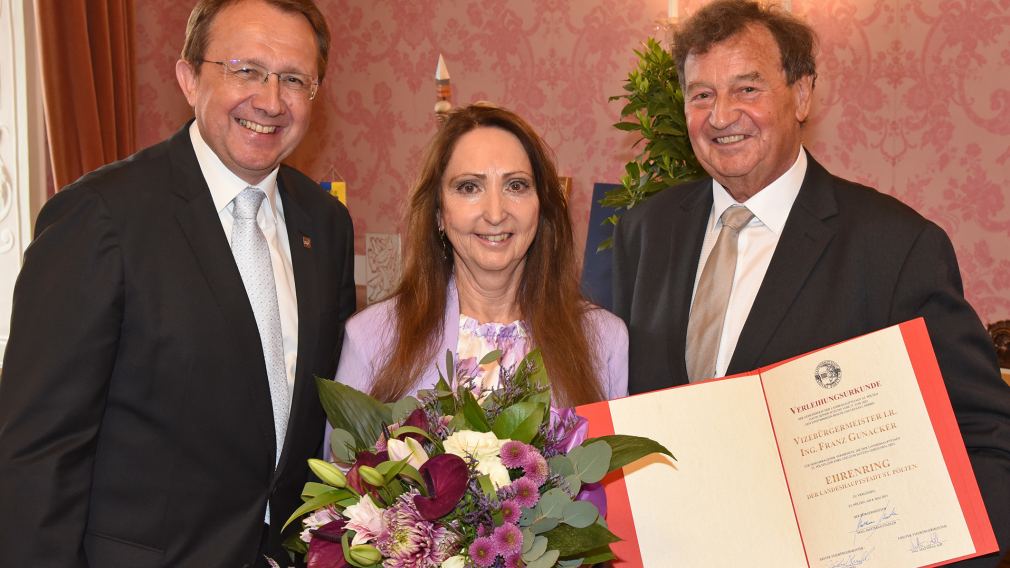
pixel 482 552
pixel 514 561
pixel 536 468
pixel 508 539
pixel 510 511
pixel 514 454
pixel 409 541
pixel 526 492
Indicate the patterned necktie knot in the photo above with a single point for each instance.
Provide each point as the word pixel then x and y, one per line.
pixel 736 217
pixel 247 203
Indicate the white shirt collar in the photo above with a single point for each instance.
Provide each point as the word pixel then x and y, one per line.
pixel 223 183
pixel 772 204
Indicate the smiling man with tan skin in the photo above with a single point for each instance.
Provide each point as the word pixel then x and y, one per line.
pixel 808 259
pixel 158 402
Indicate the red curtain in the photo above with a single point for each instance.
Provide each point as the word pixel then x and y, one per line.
pixel 86 49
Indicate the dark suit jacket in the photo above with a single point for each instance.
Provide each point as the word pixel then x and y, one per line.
pixel 135 421
pixel 850 261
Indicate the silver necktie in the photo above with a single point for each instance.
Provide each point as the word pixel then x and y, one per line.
pixel 708 312
pixel 252 255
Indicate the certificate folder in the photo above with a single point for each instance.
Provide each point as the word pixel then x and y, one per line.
pixel 846 456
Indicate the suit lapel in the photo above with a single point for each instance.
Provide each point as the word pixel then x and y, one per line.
pixel 300 236
pixel 201 225
pixel 803 240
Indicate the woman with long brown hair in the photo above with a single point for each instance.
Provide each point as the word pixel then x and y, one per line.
pixel 489 264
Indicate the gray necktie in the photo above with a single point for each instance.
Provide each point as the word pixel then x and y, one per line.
pixel 252 255
pixel 708 312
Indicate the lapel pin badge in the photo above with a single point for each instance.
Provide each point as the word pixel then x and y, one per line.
pixel 306 242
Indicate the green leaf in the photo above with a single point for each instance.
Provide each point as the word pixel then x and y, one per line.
pixel 627 126
pixel 598 555
pixel 391 469
pixel 342 445
pixel 546 561
pixel 354 411
pixel 580 514
pixel 571 542
pixel 591 461
pixel 626 449
pixel 410 430
pixel 450 370
pixel 402 408
pixel 561 465
pixel 520 422
pixel 313 489
pixel 317 502
pixel 473 413
pixel 537 546
pixel 491 357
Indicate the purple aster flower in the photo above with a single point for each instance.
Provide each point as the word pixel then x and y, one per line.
pixel 514 454
pixel 536 468
pixel 527 493
pixel 510 511
pixel 508 539
pixel 409 541
pixel 482 552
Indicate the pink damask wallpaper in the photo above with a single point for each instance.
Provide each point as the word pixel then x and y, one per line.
pixel 912 98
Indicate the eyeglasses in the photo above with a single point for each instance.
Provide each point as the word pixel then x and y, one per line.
pixel 247 74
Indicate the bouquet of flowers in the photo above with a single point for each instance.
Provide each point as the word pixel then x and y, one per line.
pixel 460 478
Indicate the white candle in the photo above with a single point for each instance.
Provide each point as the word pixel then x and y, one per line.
pixel 671 9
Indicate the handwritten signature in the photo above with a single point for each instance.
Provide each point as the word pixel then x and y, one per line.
pixel 853 560
pixel 932 542
pixel 870 520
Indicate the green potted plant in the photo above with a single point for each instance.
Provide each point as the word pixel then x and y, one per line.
pixel 654 108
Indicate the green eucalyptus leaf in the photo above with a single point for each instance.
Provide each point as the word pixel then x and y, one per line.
pixel 591 461
pixel 553 502
pixel 354 411
pixel 548 560
pixel 561 465
pixel 402 408
pixel 530 539
pixel 580 514
pixel 569 563
pixel 544 524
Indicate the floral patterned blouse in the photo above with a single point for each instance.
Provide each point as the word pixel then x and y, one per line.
pixel 478 339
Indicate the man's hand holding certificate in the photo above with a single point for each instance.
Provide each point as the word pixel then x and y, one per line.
pixel 847 456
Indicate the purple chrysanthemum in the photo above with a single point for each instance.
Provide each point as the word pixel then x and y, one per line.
pixel 508 539
pixel 482 552
pixel 510 511
pixel 514 454
pixel 536 468
pixel 409 541
pixel 526 492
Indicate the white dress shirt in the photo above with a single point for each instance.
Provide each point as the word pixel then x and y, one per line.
pixel 755 248
pixel 224 187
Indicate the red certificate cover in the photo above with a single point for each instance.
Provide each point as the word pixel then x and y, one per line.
pixel 846 456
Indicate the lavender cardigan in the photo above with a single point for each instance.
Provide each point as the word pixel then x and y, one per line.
pixel 368 340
